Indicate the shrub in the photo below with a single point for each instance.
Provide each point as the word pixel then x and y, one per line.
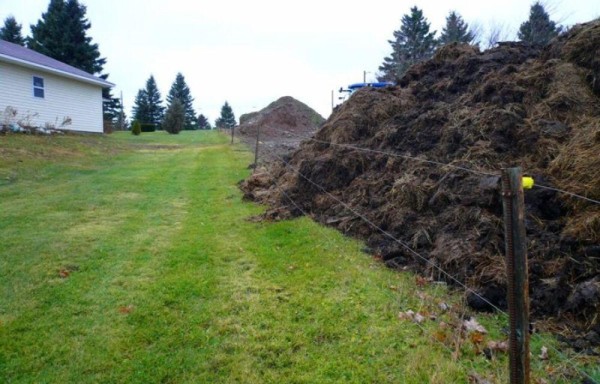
pixel 148 127
pixel 136 128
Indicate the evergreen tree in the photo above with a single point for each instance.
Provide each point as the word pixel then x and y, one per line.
pixel 175 117
pixel 111 105
pixel 61 34
pixel 456 30
pixel 179 90
pixel 147 107
pixel 156 110
pixel 412 43
pixel 538 29
pixel 203 122
pixel 121 119
pixel 227 118
pixel 141 109
pixel 11 31
pixel 136 128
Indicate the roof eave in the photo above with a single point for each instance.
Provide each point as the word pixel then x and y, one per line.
pixel 25 63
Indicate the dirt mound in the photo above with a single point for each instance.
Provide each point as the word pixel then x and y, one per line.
pixel 514 105
pixel 284 114
pixel 281 124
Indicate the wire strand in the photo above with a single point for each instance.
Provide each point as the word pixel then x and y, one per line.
pixel 566 193
pixel 441 164
pixel 392 237
pixel 406 246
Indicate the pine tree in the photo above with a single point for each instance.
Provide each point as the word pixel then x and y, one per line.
pixel 174 117
pixel 156 110
pixel 179 90
pixel 11 31
pixel 203 122
pixel 456 30
pixel 412 43
pixel 147 106
pixel 61 34
pixel 538 29
pixel 227 118
pixel 141 109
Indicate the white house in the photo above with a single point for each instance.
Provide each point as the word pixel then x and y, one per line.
pixel 44 91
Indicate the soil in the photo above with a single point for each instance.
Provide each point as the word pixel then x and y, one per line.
pixel 281 126
pixel 513 105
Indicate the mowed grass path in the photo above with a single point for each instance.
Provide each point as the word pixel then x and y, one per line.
pixel 132 260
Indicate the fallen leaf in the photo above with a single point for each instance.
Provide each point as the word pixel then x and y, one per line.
pixel 408 315
pixel 498 346
pixel 421 281
pixel 64 273
pixel 472 325
pixel 440 336
pixel 476 379
pixel 125 309
pixel 544 353
pixel 476 337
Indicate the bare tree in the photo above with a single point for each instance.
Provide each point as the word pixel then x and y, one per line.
pixel 496 32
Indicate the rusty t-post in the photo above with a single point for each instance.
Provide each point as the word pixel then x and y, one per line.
pixel 256 149
pixel 517 274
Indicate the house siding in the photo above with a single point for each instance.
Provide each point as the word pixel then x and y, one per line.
pixel 63 97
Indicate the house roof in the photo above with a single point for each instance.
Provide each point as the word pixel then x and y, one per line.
pixel 16 54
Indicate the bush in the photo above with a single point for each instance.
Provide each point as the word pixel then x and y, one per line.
pixel 148 127
pixel 136 128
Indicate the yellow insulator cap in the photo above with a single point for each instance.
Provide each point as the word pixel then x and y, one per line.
pixel 527 182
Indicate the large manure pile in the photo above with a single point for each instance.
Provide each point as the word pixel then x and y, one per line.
pixel 514 105
pixel 280 126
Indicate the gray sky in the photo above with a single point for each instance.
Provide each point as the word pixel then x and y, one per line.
pixel 252 52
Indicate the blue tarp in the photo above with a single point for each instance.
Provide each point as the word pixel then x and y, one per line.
pixel 354 87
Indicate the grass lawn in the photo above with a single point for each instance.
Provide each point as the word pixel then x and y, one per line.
pixel 131 259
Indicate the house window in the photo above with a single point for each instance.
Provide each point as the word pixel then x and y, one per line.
pixel 38 87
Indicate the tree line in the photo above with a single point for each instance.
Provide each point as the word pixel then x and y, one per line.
pixel 414 42
pixel 61 33
pixel 179 114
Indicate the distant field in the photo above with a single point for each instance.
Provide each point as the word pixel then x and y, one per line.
pixel 130 259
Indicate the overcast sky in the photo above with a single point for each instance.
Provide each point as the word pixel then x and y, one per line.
pixel 250 53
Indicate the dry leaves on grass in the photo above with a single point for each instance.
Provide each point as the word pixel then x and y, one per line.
pixel 472 325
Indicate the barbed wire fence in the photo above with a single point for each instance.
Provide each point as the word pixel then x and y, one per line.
pixel 273 155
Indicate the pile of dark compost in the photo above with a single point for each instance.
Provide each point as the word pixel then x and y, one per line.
pixel 513 105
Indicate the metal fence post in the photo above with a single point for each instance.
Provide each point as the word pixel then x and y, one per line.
pixel 517 274
pixel 256 149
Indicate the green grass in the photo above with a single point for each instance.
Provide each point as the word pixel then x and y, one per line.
pixel 132 259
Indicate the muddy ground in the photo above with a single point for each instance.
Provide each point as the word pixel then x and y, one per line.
pixel 513 105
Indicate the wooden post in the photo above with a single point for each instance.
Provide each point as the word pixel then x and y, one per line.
pixel 517 274
pixel 256 149
pixel 232 129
